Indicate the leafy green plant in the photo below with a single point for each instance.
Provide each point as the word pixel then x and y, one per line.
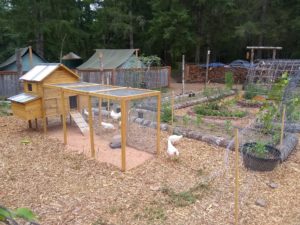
pixel 278 87
pixel 9 217
pixel 186 119
pixel 228 126
pixel 214 109
pixel 260 149
pixel 266 116
pixel 253 90
pixel 4 108
pixel 229 81
pixel 166 115
pixel 199 120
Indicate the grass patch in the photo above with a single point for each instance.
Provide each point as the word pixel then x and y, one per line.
pixel 185 198
pixel 4 108
pixel 101 221
pixel 152 213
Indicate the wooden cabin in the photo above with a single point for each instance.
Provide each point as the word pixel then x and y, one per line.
pixel 38 102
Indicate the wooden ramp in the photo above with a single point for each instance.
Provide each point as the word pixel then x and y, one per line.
pixel 80 122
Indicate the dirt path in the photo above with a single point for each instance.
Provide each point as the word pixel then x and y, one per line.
pixel 69 189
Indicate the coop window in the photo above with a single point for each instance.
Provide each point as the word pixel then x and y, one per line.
pixel 29 87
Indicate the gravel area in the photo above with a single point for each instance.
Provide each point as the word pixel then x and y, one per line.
pixel 68 188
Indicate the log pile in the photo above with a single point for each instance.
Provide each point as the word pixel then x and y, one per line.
pixel 196 73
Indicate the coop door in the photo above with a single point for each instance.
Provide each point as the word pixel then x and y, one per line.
pixel 73 102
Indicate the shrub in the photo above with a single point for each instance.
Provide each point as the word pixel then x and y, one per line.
pixel 166 115
pixel 229 81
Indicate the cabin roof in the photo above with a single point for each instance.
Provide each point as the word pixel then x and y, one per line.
pixel 40 72
pixel 23 98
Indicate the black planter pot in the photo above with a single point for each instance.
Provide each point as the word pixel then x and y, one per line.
pixel 257 163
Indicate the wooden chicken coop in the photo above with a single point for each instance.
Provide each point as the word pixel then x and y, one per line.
pixel 54 90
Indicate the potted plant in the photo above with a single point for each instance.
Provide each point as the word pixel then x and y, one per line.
pixel 260 156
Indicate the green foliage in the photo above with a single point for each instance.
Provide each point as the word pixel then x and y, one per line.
pixel 228 126
pixel 229 81
pixel 8 216
pixel 260 149
pixel 186 119
pixel 215 109
pixel 166 115
pixel 253 90
pixel 152 60
pixel 267 115
pixel 4 108
pixel 199 119
pixel 278 87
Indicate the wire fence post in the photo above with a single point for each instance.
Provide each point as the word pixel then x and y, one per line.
pixel 236 190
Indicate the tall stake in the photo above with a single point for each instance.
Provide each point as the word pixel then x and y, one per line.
pixel 183 62
pixel 236 190
pixel 91 127
pixel 172 108
pixel 282 125
pixel 206 72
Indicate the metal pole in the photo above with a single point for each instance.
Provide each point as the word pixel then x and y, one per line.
pixel 207 63
pixel 183 62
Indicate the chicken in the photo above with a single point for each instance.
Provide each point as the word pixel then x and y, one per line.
pixel 172 151
pixel 174 138
pixel 107 125
pixel 114 115
pixel 86 113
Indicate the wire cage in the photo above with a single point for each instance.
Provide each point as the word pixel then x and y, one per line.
pixel 265 73
pixel 103 121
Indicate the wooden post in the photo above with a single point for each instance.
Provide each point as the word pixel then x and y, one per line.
pixel 29 124
pixel 282 125
pixel 123 135
pixel 63 111
pixel 236 190
pixel 30 57
pixel 274 54
pixel 108 105
pixel 100 108
pixel 91 127
pixel 158 124
pixel 206 72
pixel 36 123
pixel 45 120
pixel 183 62
pixel 172 108
pixel 252 56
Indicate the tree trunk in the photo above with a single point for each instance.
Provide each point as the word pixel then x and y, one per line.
pixel 130 30
pixel 263 24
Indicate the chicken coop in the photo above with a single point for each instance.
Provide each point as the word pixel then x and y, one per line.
pixel 113 120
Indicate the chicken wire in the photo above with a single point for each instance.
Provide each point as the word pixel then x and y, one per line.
pixel 142 124
pixel 265 73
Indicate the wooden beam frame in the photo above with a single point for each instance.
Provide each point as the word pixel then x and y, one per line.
pixel 158 124
pixel 63 111
pixel 123 134
pixel 91 127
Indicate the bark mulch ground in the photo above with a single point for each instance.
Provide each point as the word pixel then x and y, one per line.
pixel 62 187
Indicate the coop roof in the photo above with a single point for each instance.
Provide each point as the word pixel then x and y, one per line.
pixel 105 91
pixel 23 98
pixel 40 72
pixel 71 55
pixel 111 59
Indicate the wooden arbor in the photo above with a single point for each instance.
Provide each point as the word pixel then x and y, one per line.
pixel 121 94
pixel 252 48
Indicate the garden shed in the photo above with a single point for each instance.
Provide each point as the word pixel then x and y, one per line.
pixel 29 59
pixel 71 60
pixel 14 67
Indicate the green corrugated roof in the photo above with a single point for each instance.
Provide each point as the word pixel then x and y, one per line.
pixel 111 59
pixel 13 58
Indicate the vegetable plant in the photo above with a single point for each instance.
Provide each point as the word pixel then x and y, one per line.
pixel 9 217
pixel 229 80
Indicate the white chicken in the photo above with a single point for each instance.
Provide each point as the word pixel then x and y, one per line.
pixel 86 113
pixel 114 115
pixel 174 138
pixel 107 126
pixel 172 151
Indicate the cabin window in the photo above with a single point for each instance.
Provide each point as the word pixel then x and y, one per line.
pixel 29 87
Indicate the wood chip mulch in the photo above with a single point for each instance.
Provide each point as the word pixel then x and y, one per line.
pixel 197 188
